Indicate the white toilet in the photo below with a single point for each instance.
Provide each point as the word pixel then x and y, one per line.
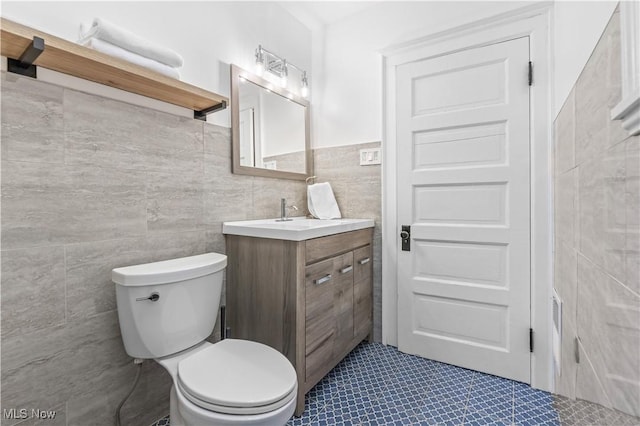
pixel 166 311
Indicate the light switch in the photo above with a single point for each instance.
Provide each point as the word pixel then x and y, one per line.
pixel 370 156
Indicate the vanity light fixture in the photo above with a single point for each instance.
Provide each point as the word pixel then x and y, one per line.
pixel 269 61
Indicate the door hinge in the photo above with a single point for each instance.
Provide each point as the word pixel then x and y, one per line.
pixel 530 73
pixel 531 340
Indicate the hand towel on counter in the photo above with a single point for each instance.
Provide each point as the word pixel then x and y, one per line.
pixel 322 203
pixel 106 31
pixel 118 52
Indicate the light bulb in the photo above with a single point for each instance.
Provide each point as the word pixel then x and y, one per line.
pixel 259 61
pixel 304 89
pixel 284 73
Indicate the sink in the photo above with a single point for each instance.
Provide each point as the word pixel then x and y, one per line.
pixel 297 229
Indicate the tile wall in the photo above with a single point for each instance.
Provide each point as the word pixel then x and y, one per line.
pixel 597 237
pixel 359 195
pixel 89 184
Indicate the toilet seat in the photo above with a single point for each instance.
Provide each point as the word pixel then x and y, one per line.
pixel 237 377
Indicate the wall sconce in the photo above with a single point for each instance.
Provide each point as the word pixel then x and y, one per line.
pixel 269 61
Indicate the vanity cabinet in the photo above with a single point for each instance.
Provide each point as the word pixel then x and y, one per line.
pixel 311 300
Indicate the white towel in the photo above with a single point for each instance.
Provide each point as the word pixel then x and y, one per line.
pixel 321 201
pixel 106 31
pixel 118 52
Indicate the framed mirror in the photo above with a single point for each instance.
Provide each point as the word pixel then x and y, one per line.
pixel 269 129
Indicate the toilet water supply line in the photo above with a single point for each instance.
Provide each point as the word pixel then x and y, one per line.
pixel 137 362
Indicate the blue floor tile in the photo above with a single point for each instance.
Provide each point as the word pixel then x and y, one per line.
pixel 477 418
pixel 441 412
pixel 525 393
pixel 526 414
pixel 378 385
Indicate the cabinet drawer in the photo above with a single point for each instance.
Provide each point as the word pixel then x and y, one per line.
pixel 323 247
pixel 362 263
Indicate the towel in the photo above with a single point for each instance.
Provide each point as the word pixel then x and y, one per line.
pixel 118 52
pixel 322 203
pixel 106 31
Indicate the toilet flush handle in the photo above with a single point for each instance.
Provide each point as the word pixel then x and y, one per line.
pixel 154 297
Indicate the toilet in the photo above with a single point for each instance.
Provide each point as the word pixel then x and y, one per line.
pixel 166 311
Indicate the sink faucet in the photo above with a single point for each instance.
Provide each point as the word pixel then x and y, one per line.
pixel 283 210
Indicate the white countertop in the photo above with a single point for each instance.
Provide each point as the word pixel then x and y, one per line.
pixel 297 229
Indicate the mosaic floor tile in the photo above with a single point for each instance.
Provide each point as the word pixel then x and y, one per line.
pixel 406 395
pixel 450 390
pixel 441 412
pixel 525 393
pixel 496 405
pixel 478 418
pixel 378 385
pixel 387 413
pixel 586 413
pixel 488 384
pixel 529 415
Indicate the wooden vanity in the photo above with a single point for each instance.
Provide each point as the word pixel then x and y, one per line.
pixel 312 299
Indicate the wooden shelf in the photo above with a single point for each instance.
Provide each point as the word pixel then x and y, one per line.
pixel 79 61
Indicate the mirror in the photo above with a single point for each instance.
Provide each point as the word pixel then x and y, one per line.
pixel 269 127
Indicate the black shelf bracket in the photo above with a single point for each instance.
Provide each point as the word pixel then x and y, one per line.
pixel 202 114
pixel 24 65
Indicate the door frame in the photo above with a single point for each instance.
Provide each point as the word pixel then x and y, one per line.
pixel 531 21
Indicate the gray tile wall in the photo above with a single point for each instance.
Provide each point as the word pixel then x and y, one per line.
pixel 358 192
pixel 597 237
pixel 89 184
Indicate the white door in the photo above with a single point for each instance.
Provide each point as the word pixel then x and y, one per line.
pixel 463 187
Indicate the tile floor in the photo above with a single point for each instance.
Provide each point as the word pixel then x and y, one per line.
pixel 378 385
pixel 580 413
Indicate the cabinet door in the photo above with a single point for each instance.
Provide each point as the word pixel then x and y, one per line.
pixel 320 321
pixel 362 290
pixel 343 300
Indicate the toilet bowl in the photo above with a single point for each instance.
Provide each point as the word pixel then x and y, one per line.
pixel 166 311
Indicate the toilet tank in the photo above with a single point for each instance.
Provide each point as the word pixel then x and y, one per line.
pixel 166 307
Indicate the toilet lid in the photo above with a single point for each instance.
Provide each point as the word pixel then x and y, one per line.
pixel 236 376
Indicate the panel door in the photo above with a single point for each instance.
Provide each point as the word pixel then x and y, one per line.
pixel 463 186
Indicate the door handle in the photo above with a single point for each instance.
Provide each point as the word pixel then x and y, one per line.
pixel 405 236
pixel 322 280
pixel 364 261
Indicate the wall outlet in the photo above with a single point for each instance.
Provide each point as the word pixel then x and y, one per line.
pixel 370 156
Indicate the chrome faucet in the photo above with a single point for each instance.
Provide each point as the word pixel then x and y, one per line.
pixel 283 210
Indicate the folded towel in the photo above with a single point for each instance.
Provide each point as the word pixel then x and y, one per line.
pixel 321 201
pixel 106 31
pixel 118 52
